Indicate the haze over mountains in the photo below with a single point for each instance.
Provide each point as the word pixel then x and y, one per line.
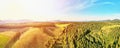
pixel 14 21
pixel 26 21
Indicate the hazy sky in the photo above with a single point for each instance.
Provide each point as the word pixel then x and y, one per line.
pixel 46 10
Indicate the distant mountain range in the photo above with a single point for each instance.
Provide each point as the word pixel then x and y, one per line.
pixel 14 21
pixel 25 21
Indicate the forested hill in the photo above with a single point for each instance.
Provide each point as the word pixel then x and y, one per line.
pixel 97 34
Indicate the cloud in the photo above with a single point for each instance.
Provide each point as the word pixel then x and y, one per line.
pixel 106 3
pixel 83 4
pixel 111 3
pixel 79 4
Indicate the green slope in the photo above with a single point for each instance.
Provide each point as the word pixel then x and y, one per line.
pixel 3 40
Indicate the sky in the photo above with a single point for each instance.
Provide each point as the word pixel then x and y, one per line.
pixel 65 10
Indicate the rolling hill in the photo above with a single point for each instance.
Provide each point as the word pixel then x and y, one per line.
pixel 101 34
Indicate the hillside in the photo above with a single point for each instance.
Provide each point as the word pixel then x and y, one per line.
pixel 103 34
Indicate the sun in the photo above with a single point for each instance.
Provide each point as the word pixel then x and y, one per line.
pixel 30 9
